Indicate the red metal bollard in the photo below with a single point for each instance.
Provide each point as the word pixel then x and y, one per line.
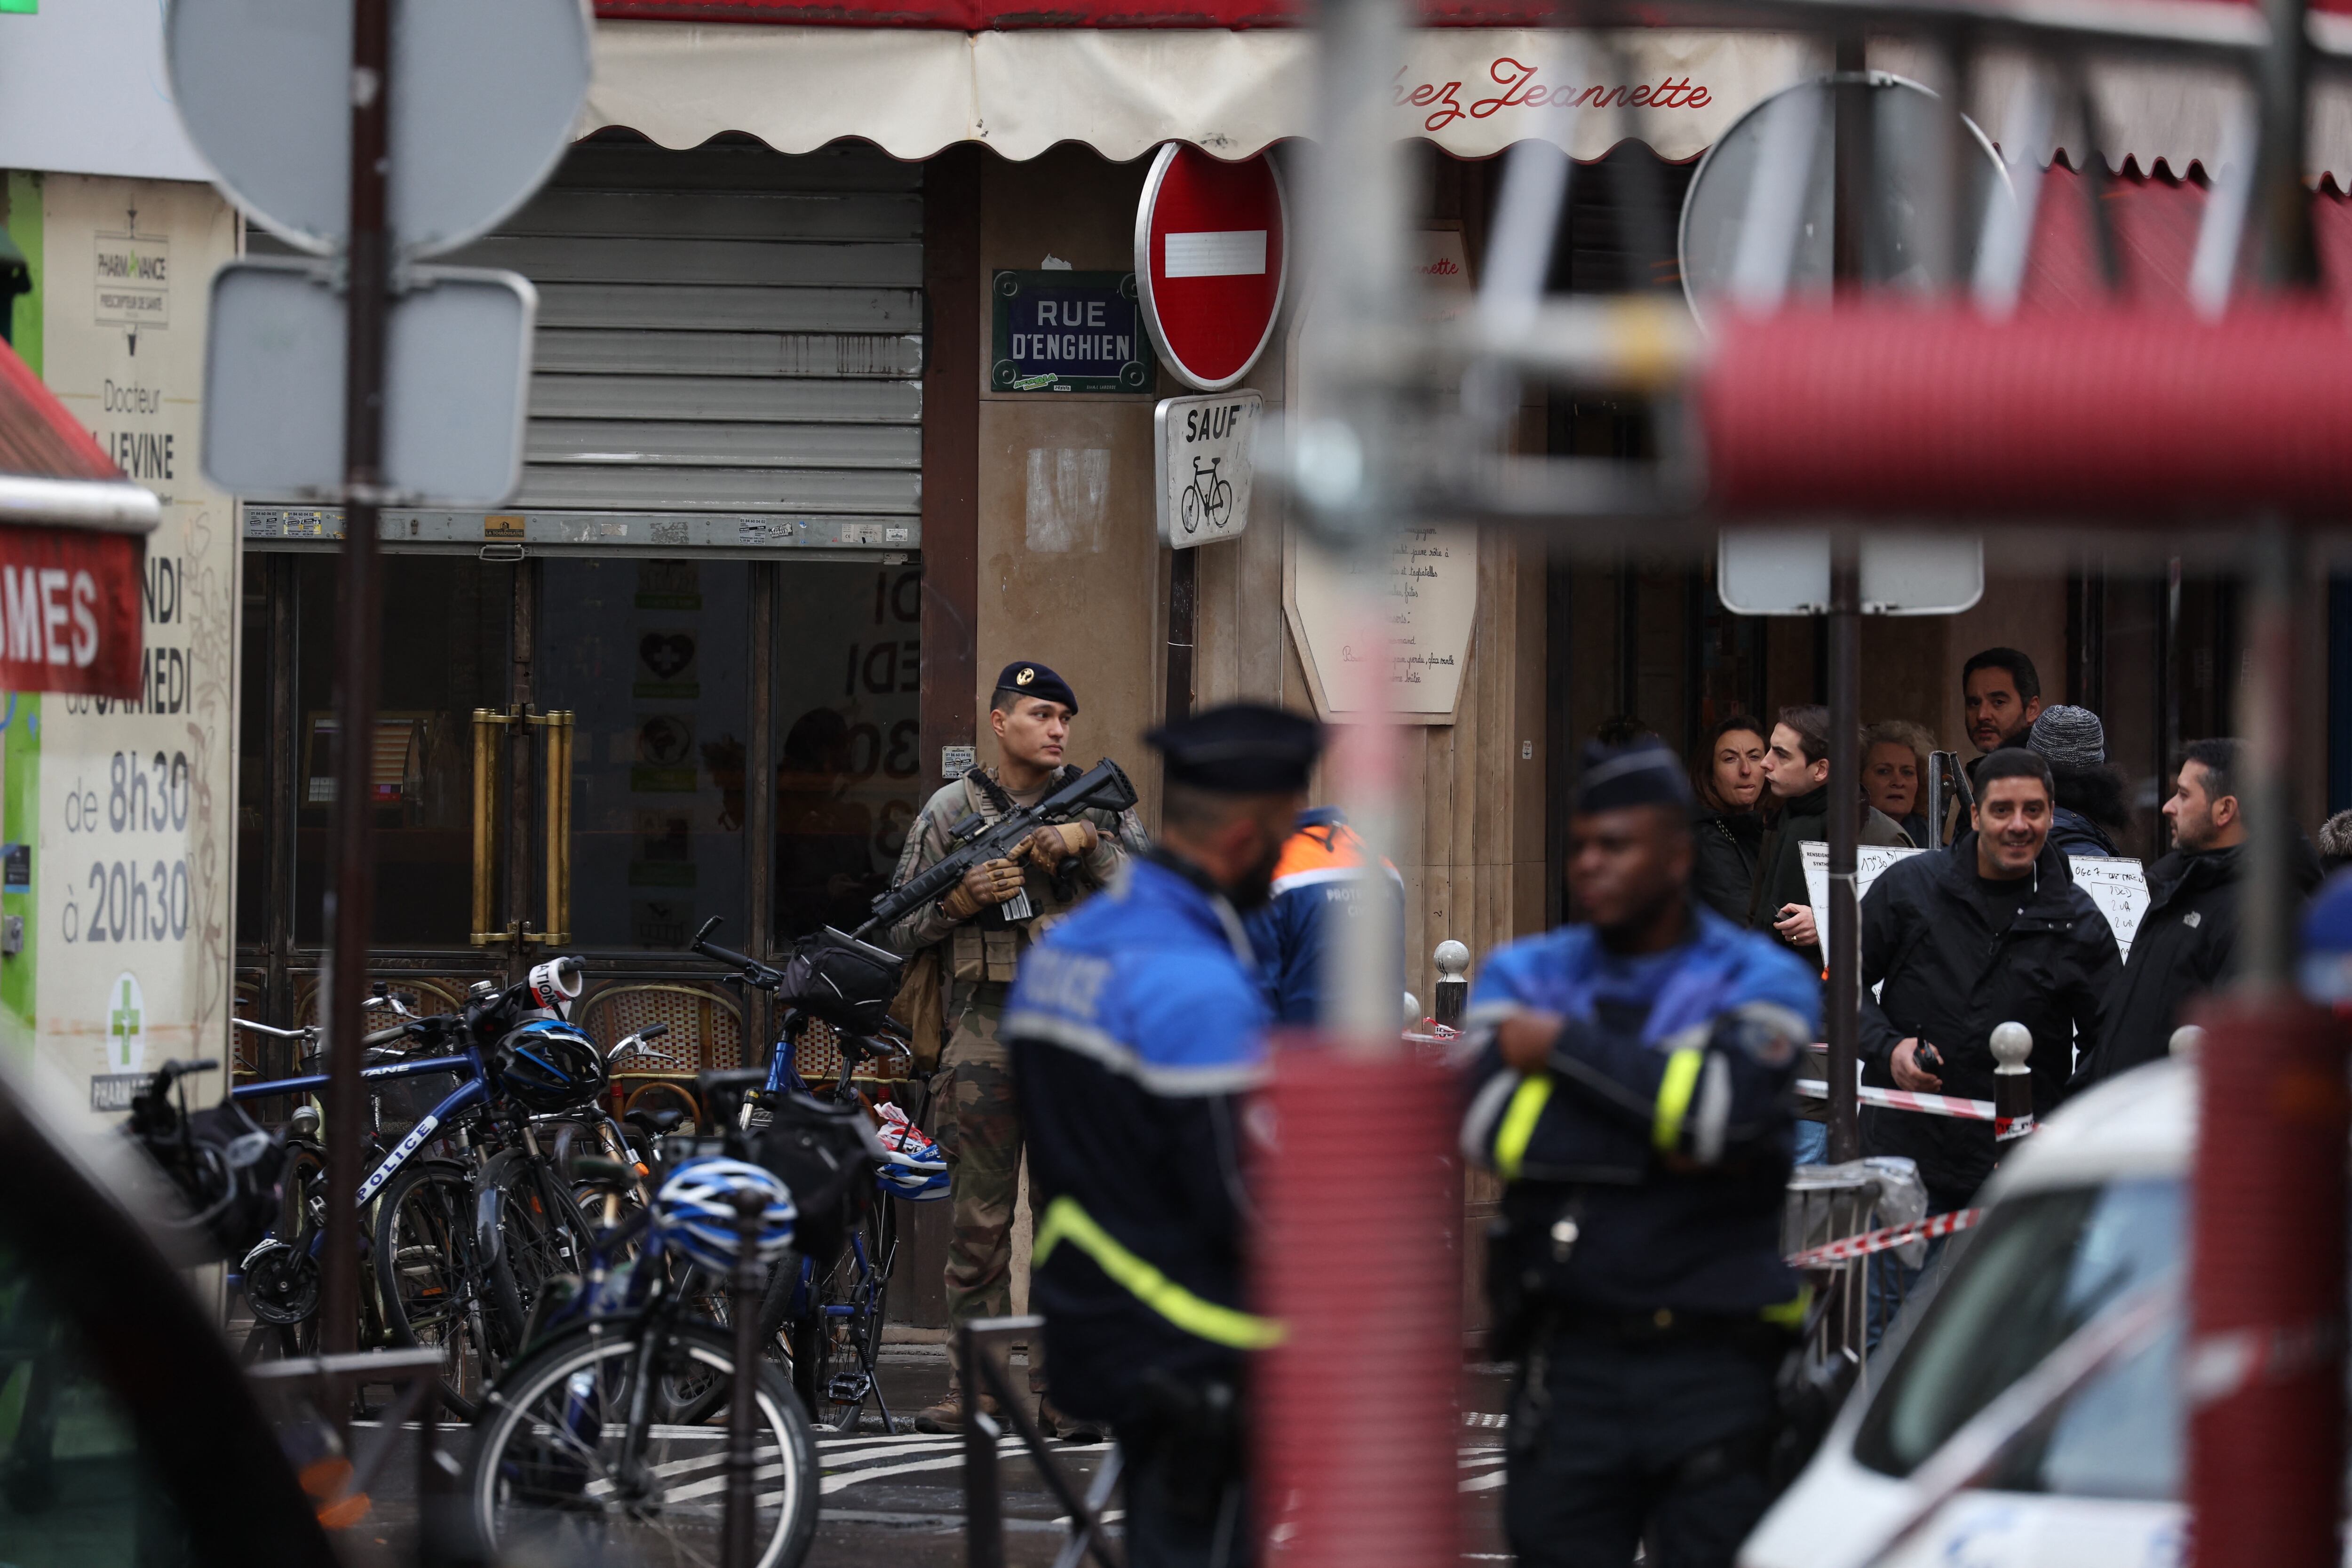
pixel 2263 1372
pixel 1360 1256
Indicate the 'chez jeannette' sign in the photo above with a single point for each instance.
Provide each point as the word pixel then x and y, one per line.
pixel 1070 332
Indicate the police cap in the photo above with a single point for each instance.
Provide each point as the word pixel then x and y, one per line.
pixel 1241 748
pixel 1643 773
pixel 1027 678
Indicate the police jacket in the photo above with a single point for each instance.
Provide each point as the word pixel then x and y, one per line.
pixel 1318 879
pixel 1953 967
pixel 2183 949
pixel 1134 1028
pixel 1660 1133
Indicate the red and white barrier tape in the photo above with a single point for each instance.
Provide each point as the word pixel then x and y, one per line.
pixel 1905 1099
pixel 1847 1249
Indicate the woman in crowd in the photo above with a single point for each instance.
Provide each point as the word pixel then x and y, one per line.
pixel 1894 773
pixel 1727 777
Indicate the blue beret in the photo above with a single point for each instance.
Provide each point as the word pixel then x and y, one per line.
pixel 1027 678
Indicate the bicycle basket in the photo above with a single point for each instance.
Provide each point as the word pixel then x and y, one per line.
pixel 845 982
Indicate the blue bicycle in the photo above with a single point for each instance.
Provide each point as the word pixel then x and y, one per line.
pixel 470 1216
pixel 829 1310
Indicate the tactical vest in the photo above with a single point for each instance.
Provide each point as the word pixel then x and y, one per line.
pixel 986 948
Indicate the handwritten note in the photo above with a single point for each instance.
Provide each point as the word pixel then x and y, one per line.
pixel 2118 885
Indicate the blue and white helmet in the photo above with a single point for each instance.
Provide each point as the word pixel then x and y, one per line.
pixel 909 1177
pixel 694 1211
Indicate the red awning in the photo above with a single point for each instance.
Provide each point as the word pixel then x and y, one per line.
pixel 2155 218
pixel 72 546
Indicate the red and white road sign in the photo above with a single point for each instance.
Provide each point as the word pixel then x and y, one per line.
pixel 1212 248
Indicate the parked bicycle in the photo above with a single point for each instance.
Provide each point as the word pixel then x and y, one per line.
pixel 609 1434
pixel 830 1309
pixel 470 1215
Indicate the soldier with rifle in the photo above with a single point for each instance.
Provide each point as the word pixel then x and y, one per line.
pixel 979 925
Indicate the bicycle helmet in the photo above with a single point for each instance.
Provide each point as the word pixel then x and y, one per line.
pixel 694 1212
pixel 914 1167
pixel 545 1066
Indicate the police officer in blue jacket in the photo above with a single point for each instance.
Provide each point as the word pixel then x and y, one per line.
pixel 1137 1026
pixel 1631 1087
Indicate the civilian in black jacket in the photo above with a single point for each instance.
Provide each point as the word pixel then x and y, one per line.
pixel 2189 935
pixel 1726 780
pixel 1993 931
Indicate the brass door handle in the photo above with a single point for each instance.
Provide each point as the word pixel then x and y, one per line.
pixel 558 733
pixel 490 727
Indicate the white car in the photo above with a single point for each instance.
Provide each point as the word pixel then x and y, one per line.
pixel 2090 1209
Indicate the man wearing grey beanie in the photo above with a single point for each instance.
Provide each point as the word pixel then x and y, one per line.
pixel 2089 806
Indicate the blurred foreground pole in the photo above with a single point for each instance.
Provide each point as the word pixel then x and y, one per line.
pixel 359 595
pixel 1356 1254
pixel 2263 1372
pixel 1841 923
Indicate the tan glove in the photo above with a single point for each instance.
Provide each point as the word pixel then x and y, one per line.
pixel 1051 845
pixel 985 885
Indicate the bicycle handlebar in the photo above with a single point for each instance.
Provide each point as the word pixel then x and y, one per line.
pixel 754 972
pixel 305 1032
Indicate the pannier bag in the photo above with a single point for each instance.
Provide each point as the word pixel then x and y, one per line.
pixel 827 1154
pixel 225 1164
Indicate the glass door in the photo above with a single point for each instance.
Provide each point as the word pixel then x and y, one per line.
pixel 596 752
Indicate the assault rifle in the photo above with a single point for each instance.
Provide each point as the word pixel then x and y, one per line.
pixel 977 840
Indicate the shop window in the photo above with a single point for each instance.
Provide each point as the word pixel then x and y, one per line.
pixel 848 778
pixel 445 635
pixel 651 657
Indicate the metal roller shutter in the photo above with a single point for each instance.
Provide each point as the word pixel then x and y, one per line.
pixel 724 331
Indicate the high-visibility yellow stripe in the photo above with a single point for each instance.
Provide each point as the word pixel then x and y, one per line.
pixel 1519 1126
pixel 1065 1220
pixel 1790 1313
pixel 1674 1092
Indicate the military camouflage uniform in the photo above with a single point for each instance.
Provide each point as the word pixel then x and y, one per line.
pixel 978 1128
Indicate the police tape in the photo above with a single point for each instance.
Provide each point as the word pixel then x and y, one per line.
pixel 1905 1099
pixel 1847 1249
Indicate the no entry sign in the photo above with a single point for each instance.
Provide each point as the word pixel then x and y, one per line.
pixel 1212 244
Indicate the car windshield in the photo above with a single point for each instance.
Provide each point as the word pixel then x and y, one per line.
pixel 2044 1265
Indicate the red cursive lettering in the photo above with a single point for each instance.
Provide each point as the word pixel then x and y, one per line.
pixel 1450 108
pixel 1515 77
pixel 1520 90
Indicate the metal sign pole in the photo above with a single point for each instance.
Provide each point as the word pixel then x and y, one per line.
pixel 359 599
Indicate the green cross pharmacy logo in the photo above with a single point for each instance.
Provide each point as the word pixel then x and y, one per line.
pixel 126 1044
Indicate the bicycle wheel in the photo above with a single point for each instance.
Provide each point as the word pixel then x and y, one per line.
pixel 836 1340
pixel 425 1272
pixel 542 1236
pixel 556 1478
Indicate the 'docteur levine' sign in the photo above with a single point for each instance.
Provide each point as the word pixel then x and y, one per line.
pixel 1517 84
